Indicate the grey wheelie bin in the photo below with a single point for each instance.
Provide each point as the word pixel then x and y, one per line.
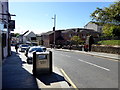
pixel 42 63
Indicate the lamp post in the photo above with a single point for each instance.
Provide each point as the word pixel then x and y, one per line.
pixel 54 28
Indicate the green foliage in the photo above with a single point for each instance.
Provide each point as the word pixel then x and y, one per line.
pixel 107 30
pixel 76 40
pixel 109 18
pixel 111 30
pixel 17 34
pixel 109 14
pixel 109 42
pixel 116 31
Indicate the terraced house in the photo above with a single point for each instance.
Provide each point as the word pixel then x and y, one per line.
pixel 6 25
pixel 4 47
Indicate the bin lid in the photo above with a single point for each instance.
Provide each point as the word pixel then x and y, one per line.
pixel 42 52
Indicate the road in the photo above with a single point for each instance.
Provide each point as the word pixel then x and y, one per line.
pixel 87 71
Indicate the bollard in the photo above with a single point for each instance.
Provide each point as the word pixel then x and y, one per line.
pixel 50 58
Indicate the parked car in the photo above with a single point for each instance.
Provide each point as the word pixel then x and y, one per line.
pixel 29 52
pixel 42 47
pixel 23 47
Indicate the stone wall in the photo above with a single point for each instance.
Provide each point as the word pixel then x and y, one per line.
pixel 106 49
pixel 97 48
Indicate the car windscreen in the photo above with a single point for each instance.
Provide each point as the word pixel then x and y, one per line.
pixel 35 49
pixel 25 45
pixel 44 49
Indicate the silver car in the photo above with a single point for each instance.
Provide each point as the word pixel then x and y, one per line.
pixel 23 47
pixel 34 49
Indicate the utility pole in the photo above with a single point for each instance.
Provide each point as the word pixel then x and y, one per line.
pixel 54 28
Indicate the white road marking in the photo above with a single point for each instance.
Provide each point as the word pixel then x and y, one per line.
pixel 94 65
pixel 67 56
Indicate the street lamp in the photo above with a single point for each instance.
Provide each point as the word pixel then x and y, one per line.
pixel 54 27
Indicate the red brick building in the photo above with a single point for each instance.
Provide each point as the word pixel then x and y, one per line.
pixel 64 36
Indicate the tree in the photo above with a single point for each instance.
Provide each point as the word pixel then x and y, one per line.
pixel 108 29
pixel 109 18
pixel 16 34
pixel 76 40
pixel 116 31
pixel 109 14
pixel 111 30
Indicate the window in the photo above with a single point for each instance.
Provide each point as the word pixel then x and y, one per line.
pixel 33 38
pixel 4 39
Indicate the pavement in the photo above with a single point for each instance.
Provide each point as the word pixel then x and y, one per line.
pixel 16 73
pixel 99 54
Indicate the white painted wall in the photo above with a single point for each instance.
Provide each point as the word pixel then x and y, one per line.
pixel 4 9
pixel 0 33
pixel 91 26
pixel 0 47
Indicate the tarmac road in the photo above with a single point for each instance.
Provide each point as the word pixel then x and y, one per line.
pixel 87 71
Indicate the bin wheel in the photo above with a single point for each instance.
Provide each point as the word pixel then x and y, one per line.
pixel 28 61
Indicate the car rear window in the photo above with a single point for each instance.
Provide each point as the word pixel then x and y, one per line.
pixel 25 45
pixel 36 49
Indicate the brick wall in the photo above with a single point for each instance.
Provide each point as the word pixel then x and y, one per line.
pixel 106 49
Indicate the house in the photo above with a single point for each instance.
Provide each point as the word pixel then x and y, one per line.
pixel 81 32
pixel 4 31
pixel 30 37
pixel 48 38
pixel 63 37
pixel 39 39
pixel 94 26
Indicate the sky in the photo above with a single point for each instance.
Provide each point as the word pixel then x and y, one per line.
pixel 37 16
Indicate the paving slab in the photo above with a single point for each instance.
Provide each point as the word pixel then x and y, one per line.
pixel 54 80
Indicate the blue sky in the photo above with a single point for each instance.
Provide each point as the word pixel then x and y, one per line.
pixel 37 16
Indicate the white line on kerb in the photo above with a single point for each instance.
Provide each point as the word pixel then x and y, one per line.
pixel 94 65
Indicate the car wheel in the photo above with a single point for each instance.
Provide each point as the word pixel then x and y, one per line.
pixel 29 61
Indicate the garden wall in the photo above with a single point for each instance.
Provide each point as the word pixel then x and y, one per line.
pixel 106 49
pixel 98 48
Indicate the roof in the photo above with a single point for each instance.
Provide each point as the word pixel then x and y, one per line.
pixel 78 30
pixel 51 32
pixel 30 34
pixel 96 23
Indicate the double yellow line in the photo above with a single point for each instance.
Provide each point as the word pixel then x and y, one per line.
pixel 69 80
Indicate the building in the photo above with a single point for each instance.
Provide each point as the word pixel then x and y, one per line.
pixel 4 31
pixel 81 32
pixel 6 25
pixel 94 26
pixel 39 39
pixel 47 38
pixel 63 37
pixel 30 38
